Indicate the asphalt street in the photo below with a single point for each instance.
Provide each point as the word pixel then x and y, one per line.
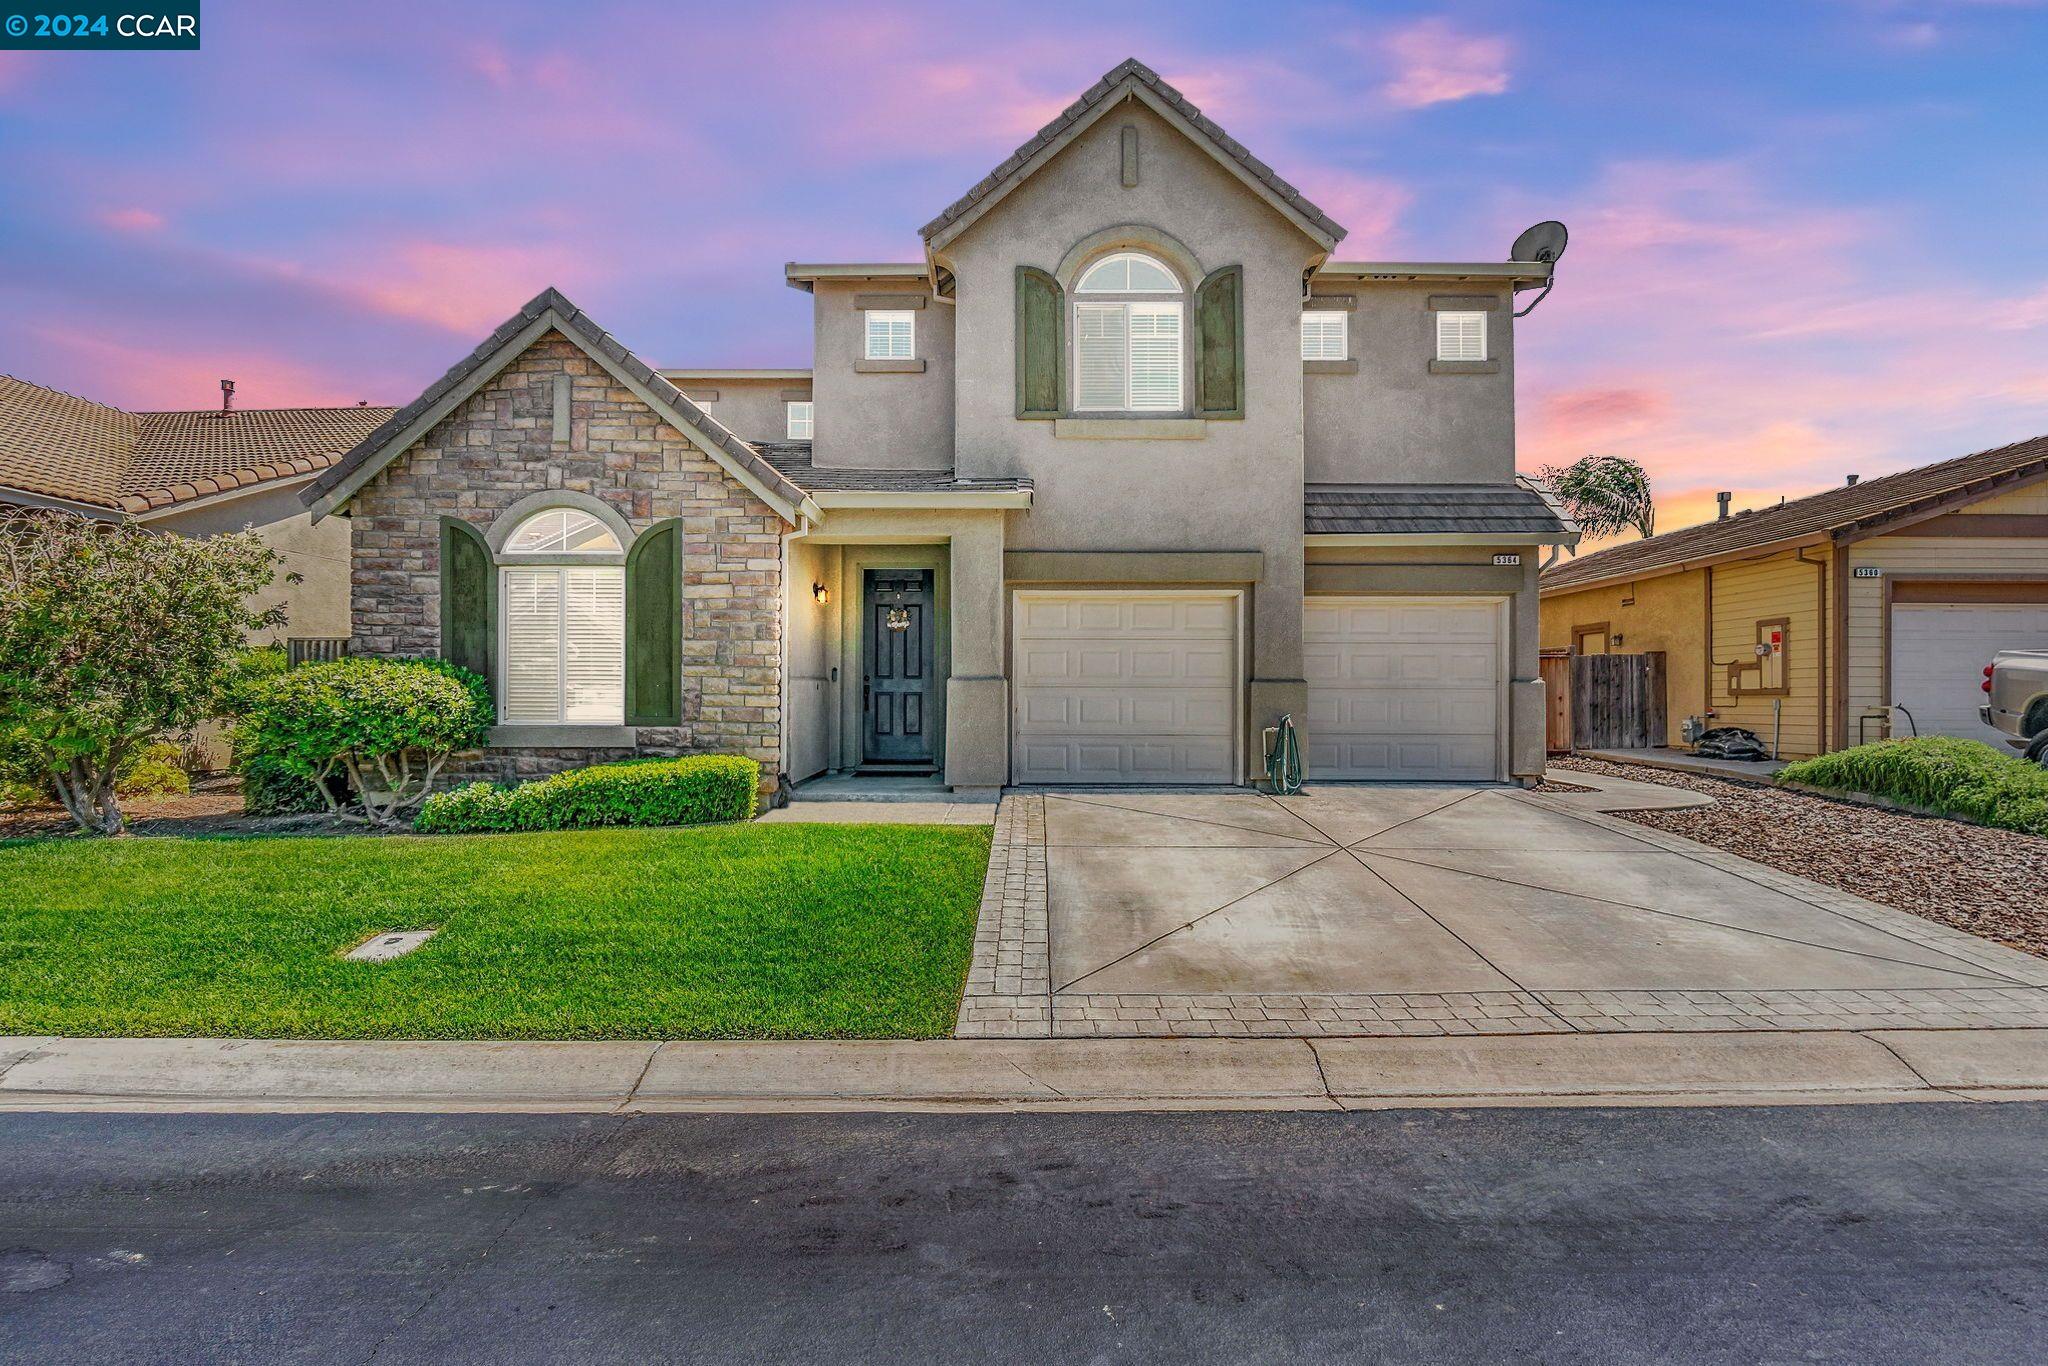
pixel 1857 1233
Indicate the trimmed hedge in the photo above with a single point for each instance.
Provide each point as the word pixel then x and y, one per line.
pixel 1954 777
pixel 698 790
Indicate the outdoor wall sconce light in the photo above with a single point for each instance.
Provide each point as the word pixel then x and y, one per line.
pixel 821 592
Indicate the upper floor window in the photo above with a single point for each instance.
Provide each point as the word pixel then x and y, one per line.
pixel 562 531
pixel 1325 335
pixel 799 413
pixel 1461 336
pixel 1129 351
pixel 891 334
pixel 562 624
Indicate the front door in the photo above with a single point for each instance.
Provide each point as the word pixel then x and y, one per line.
pixel 896 686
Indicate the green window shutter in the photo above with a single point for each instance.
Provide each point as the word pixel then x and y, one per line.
pixel 1041 344
pixel 654 627
pixel 1219 344
pixel 469 600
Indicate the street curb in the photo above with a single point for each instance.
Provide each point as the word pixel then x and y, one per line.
pixel 966 1075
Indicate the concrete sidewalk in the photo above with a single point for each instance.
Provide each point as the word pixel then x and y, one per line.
pixel 216 1075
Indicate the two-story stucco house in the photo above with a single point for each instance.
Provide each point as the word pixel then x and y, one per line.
pixel 1125 468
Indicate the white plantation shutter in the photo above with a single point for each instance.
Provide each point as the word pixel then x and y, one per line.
pixel 594 645
pixel 533 645
pixel 1155 356
pixel 889 335
pixel 1323 335
pixel 1101 353
pixel 1461 336
pixel 565 645
pixel 799 421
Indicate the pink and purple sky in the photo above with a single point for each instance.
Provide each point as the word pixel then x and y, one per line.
pixel 1808 239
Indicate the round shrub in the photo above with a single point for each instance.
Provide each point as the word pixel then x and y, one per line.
pixel 388 724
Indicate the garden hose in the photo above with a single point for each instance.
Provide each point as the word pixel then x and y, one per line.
pixel 1283 758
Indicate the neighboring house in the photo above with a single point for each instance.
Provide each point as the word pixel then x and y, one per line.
pixel 1826 612
pixel 195 473
pixel 1123 470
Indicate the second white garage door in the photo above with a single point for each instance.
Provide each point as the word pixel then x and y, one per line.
pixel 1403 689
pixel 1124 688
pixel 1939 651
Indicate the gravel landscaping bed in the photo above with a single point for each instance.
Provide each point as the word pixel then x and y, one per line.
pixel 1985 882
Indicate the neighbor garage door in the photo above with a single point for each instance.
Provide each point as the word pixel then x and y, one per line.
pixel 1939 651
pixel 1403 688
pixel 1124 688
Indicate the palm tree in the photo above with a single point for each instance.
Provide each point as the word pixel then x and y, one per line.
pixel 1605 494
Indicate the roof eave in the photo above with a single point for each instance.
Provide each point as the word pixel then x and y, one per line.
pixel 805 275
pixel 1530 272
pixel 1760 551
pixel 1441 538
pixel 950 498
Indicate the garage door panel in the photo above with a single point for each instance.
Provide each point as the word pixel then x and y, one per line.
pixel 1404 688
pixel 1938 654
pixel 1121 688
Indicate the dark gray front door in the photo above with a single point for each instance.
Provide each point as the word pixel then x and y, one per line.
pixel 897 685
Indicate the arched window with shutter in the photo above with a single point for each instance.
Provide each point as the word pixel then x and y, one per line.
pixel 561 580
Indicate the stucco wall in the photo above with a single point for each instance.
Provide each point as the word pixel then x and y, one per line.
pixel 1236 488
pixel 753 409
pixel 1393 421
pixel 889 420
pixel 316 606
pixel 497 448
pixel 1667 614
pixel 814 658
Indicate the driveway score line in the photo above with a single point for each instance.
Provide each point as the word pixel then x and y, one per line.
pixel 1104 967
pixel 1717 925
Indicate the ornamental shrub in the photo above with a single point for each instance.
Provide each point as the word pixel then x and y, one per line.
pixel 154 772
pixel 697 790
pixel 389 725
pixel 1955 777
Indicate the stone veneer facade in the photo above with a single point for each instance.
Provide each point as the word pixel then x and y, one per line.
pixel 497 448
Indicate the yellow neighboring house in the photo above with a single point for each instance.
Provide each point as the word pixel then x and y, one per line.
pixel 1846 616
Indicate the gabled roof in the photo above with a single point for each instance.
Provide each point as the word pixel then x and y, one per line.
pixel 59 446
pixel 1511 512
pixel 1132 80
pixel 1841 513
pixel 551 311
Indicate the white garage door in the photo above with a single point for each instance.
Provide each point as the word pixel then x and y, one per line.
pixel 1939 651
pixel 1403 688
pixel 1125 688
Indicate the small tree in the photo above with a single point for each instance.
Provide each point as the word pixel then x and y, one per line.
pixel 388 724
pixel 1605 494
pixel 109 635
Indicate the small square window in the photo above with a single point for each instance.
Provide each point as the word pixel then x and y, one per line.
pixel 1461 336
pixel 890 335
pixel 799 420
pixel 1324 335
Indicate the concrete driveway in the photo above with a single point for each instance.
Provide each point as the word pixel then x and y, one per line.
pixel 1435 909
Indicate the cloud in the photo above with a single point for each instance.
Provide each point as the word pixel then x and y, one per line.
pixel 1370 208
pixel 1435 63
pixel 133 219
pixel 466 289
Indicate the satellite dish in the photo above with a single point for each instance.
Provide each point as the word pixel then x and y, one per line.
pixel 1544 242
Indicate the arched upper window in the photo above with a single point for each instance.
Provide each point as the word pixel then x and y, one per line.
pixel 1129 342
pixel 562 531
pixel 562 624
pixel 1128 272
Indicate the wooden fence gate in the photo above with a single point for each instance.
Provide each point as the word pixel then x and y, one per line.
pixel 1617 701
pixel 1555 668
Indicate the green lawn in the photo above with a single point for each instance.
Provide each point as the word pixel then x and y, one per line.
pixel 744 931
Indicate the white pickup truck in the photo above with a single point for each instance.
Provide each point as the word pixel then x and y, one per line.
pixel 2017 681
